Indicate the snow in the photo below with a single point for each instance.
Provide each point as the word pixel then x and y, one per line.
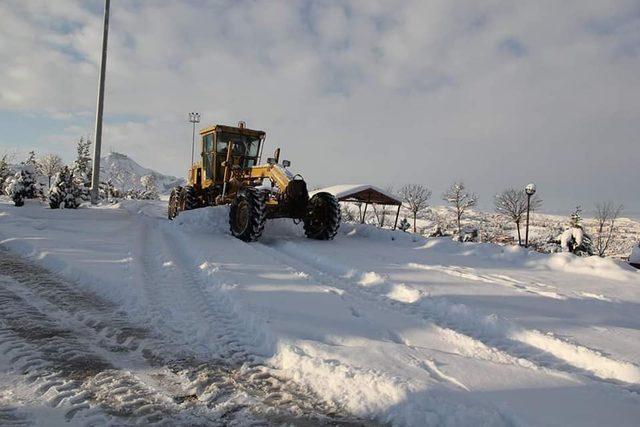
pixel 390 326
pixel 571 236
pixel 345 190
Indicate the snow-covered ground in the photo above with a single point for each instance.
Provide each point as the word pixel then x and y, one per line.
pixel 179 321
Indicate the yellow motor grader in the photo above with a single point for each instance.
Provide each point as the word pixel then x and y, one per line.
pixel 230 172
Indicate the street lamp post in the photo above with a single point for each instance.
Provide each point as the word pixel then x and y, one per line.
pixel 530 189
pixel 95 176
pixel 193 118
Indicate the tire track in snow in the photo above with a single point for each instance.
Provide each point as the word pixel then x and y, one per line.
pixel 67 346
pixel 539 349
pixel 64 366
pixel 532 287
pixel 230 374
pixel 538 289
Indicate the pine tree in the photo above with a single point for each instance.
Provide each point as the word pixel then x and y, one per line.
pixel 22 186
pixel 106 190
pixel 65 192
pixel 5 171
pixel 404 224
pixel 574 239
pixel 82 165
pixel 575 220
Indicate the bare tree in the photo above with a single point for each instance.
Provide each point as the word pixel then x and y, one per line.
pixel 150 191
pixel 415 198
pixel 382 212
pixel 121 176
pixel 512 204
pixel 347 213
pixel 360 214
pixel 49 165
pixel 460 199
pixel 148 182
pixel 606 215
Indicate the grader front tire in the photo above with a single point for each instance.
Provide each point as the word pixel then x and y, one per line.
pixel 189 198
pixel 323 217
pixel 247 215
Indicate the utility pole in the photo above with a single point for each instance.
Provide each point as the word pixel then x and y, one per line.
pixel 95 176
pixel 530 189
pixel 193 118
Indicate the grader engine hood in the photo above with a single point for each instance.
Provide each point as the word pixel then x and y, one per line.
pixel 292 195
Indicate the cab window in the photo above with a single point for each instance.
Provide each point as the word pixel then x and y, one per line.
pixel 207 146
pixel 207 143
pixel 222 146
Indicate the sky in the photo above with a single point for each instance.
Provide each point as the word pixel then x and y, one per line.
pixel 494 93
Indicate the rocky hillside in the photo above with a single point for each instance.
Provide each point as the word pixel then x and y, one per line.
pixel 125 173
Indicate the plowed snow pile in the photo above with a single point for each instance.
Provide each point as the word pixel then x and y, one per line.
pixel 373 327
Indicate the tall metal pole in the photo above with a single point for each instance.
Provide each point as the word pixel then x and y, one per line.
pixel 526 233
pixel 193 118
pixel 95 176
pixel 193 141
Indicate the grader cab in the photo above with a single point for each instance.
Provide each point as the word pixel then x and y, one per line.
pixel 230 172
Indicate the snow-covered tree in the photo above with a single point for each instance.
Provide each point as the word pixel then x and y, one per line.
pixel 416 199
pixel 107 191
pixel 5 170
pixel 22 186
pixel 150 190
pixel 49 165
pixel 82 164
pixel 404 224
pixel 468 234
pixel 574 239
pixel 81 169
pixel 461 200
pixel 606 216
pixel 31 160
pixel 66 192
pixel 512 204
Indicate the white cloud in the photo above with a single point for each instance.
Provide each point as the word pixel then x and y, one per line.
pixel 375 91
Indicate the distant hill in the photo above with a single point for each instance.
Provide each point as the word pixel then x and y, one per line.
pixel 123 171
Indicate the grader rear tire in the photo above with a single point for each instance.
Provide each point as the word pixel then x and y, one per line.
pixel 247 215
pixel 323 217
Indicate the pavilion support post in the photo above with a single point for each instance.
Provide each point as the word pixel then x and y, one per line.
pixel 364 213
pixel 395 224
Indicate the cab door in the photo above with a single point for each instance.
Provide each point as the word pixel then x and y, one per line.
pixel 208 155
